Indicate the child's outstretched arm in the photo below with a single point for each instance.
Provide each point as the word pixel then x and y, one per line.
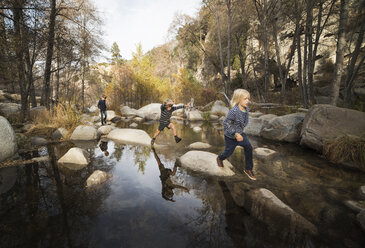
pixel 180 106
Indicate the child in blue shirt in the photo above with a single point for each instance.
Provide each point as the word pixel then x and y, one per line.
pixel 235 122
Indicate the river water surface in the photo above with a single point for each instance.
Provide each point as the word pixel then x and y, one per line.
pixel 145 204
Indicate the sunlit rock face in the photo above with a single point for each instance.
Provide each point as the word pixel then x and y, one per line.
pixel 130 136
pixel 97 178
pixel 85 133
pixel 8 146
pixel 76 156
pixel 199 145
pixel 205 162
pixel 151 111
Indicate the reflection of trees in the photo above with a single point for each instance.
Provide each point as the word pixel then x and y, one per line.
pixel 118 151
pixel 209 222
pixel 141 154
pixel 49 207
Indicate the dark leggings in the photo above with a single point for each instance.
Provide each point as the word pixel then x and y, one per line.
pixel 231 145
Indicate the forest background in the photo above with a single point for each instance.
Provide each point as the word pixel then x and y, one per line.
pixel 293 52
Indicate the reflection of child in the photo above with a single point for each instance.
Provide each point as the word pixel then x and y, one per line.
pixel 104 147
pixel 167 185
pixel 166 111
pixel 235 122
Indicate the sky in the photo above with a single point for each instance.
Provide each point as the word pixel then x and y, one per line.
pixel 130 22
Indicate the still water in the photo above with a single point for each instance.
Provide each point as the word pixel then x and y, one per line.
pixel 152 202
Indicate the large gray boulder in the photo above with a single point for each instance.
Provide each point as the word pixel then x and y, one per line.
pixel 150 112
pixel 6 109
pixel 265 206
pixel 128 112
pixel 205 162
pixel 110 114
pixel 8 143
pixel 284 128
pixel 59 133
pixel 254 126
pixel 199 146
pixel 219 108
pixel 85 133
pixel 36 111
pixel 130 136
pixel 327 122
pixel 97 177
pixel 195 115
pixel 75 156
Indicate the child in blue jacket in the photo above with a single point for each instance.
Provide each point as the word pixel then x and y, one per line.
pixel 235 122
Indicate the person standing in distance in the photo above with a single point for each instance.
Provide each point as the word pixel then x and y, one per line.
pixel 102 108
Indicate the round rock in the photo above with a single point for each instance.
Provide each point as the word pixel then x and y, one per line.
pixel 205 162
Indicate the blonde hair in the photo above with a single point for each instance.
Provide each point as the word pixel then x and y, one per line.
pixel 167 101
pixel 239 94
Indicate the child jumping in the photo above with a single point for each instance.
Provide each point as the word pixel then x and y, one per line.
pixel 235 122
pixel 166 111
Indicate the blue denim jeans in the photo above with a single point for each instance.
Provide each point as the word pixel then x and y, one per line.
pixel 231 145
pixel 103 112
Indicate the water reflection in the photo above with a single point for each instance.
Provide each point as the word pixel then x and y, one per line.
pixel 167 185
pixel 47 205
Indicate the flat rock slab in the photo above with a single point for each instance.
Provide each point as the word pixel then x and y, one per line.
pixel 199 145
pixel 130 136
pixel 104 130
pixel 205 162
pixel 264 205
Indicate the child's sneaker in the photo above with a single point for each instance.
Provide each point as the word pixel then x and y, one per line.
pixel 219 162
pixel 152 141
pixel 250 174
pixel 177 139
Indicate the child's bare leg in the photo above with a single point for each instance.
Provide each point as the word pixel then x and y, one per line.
pixel 156 134
pixel 172 126
pixel 154 137
pixel 177 139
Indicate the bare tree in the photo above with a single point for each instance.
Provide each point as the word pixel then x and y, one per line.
pixel 337 75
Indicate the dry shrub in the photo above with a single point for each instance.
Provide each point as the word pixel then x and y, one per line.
pixel 346 148
pixel 64 116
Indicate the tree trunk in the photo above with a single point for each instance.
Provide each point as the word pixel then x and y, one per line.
pixel 19 52
pixel 277 50
pixel 350 76
pixel 341 42
pixel 229 15
pixel 220 49
pixel 47 71
pixel 242 59
pixel 266 65
pixel 309 33
pixel 300 74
